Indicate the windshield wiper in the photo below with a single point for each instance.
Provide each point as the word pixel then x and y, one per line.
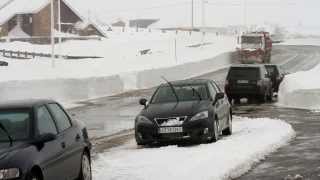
pixel 196 92
pixel 7 133
pixel 172 88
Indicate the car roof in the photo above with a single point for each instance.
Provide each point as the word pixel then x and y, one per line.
pixel 247 65
pixel 26 103
pixel 190 81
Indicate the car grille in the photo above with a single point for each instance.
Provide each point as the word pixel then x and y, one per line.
pixel 172 121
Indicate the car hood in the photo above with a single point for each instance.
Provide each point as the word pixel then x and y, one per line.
pixel 174 109
pixel 6 149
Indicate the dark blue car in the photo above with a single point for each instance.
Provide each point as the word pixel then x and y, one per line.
pixel 39 141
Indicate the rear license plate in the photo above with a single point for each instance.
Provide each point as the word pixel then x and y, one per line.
pixel 243 81
pixel 167 130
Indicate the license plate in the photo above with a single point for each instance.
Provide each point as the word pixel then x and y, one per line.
pixel 167 130
pixel 243 81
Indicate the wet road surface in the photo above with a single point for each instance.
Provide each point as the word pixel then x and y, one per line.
pixel 109 119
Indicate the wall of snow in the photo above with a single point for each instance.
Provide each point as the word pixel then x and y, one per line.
pixel 151 78
pixel 301 90
pixel 63 90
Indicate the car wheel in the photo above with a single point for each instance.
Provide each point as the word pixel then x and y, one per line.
pixel 85 173
pixel 34 176
pixel 228 130
pixel 215 134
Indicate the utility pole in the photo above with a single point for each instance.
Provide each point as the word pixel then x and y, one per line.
pixel 59 25
pixel 52 35
pixel 192 14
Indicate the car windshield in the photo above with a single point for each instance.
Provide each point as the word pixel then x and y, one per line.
pixel 17 123
pixel 193 92
pixel 250 73
pixel 251 39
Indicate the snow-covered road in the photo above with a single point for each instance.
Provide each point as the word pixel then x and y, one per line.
pixel 232 156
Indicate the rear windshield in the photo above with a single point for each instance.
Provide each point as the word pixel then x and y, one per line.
pixel 193 92
pixel 251 39
pixel 17 123
pixel 248 73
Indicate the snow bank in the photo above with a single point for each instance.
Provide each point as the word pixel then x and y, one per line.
pixel 230 157
pixel 302 41
pixel 301 90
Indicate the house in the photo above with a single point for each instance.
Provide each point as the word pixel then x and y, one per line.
pixel 31 18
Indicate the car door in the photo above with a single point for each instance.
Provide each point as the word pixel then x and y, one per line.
pixel 72 140
pixel 218 108
pixel 50 153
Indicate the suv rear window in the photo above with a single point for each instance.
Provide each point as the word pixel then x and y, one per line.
pixel 247 73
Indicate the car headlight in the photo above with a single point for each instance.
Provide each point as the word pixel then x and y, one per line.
pixel 201 115
pixel 11 173
pixel 142 119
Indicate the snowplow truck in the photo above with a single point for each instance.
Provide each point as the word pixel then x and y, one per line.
pixel 255 47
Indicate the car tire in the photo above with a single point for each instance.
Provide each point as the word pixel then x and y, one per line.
pixel 85 168
pixel 34 176
pixel 215 131
pixel 228 130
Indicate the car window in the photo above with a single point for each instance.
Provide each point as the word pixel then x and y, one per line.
pixel 45 123
pixel 216 87
pixel 61 118
pixel 212 91
pixel 17 123
pixel 243 73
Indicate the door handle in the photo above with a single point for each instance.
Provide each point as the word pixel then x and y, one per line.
pixel 63 145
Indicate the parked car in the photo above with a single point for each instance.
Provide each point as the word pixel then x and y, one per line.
pixel 248 81
pixel 276 75
pixel 39 141
pixel 190 110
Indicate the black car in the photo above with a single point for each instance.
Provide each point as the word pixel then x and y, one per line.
pixel 39 141
pixel 194 110
pixel 276 74
pixel 248 81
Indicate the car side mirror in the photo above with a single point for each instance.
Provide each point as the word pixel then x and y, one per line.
pixel 143 102
pixel 218 97
pixel 41 139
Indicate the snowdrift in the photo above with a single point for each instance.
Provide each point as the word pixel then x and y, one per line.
pixel 230 157
pixel 301 90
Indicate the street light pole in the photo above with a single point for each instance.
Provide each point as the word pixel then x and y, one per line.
pixel 203 13
pixel 192 14
pixel 52 35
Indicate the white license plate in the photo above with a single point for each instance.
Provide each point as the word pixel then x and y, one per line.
pixel 167 130
pixel 243 81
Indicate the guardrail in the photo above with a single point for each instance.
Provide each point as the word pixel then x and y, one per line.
pixel 32 55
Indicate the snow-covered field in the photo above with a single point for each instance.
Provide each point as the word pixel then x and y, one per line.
pixel 232 156
pixel 301 89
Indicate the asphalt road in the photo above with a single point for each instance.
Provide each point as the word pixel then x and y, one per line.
pixel 111 115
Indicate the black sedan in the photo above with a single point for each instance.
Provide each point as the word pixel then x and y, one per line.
pixel 39 141
pixel 195 110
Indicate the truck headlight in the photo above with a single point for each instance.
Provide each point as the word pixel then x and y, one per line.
pixel 201 115
pixel 11 173
pixel 142 119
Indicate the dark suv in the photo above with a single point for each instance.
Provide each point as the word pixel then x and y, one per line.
pixel 248 81
pixel 39 141
pixel 276 74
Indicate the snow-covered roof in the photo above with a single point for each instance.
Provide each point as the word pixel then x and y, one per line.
pixel 18 32
pixel 21 7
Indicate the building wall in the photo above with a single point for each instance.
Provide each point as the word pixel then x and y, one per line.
pixel 41 22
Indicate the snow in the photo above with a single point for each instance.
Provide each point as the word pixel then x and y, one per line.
pixel 120 68
pixel 302 89
pixel 18 32
pixel 230 157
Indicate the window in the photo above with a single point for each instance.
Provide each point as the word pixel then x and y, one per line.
pixel 45 122
pixel 62 120
pixel 212 91
pixel 16 122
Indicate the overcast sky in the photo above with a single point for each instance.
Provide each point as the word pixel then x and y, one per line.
pixel 289 13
